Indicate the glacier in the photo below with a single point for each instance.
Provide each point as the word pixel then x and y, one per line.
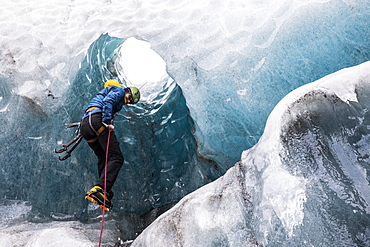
pixel 305 183
pixel 213 143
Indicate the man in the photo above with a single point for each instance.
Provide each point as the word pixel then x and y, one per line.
pixel 95 125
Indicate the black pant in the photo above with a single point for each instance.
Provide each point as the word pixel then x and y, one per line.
pixel 89 126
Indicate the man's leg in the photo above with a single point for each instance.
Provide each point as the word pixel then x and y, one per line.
pixel 115 159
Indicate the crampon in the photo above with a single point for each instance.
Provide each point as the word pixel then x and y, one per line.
pixel 96 195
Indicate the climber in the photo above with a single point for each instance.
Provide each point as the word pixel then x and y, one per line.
pixel 95 124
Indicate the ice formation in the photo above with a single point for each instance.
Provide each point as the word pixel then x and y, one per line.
pixel 229 63
pixel 304 182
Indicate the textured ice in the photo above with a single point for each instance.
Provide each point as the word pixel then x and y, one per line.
pixel 61 234
pixel 229 63
pixel 304 183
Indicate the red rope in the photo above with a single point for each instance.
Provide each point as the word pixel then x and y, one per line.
pixel 105 186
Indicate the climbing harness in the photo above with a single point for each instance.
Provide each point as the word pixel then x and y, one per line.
pixel 75 141
pixel 105 186
pixel 97 132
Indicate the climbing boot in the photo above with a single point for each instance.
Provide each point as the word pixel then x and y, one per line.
pixel 110 195
pixel 96 195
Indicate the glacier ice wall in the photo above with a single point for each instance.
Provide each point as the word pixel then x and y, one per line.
pixel 229 64
pixel 156 135
pixel 306 182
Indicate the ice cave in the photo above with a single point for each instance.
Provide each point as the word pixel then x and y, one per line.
pixel 252 130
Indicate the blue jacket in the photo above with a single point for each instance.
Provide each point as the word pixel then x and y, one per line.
pixel 110 101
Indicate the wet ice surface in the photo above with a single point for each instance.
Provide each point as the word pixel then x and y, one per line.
pixel 63 234
pixel 46 234
pixel 16 230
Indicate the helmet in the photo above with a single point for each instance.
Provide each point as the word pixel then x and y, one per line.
pixel 135 94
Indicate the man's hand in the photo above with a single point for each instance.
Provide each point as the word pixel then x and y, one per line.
pixel 110 127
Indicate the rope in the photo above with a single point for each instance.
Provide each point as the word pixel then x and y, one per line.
pixel 105 186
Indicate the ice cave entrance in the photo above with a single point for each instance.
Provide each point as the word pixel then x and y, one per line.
pixel 140 64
